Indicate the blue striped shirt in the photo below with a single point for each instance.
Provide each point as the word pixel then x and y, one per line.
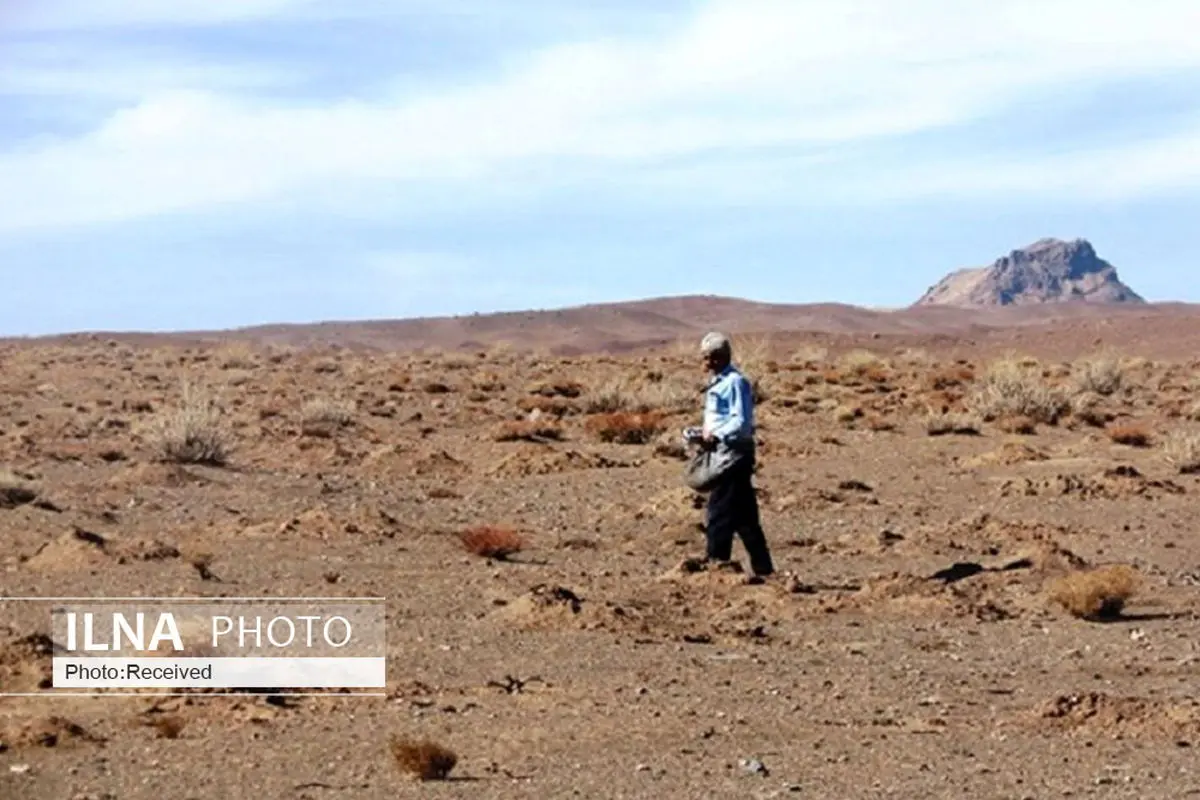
pixel 729 406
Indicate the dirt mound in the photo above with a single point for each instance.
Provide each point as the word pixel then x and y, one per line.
pixel 847 493
pixel 991 588
pixel 988 536
pixel 547 607
pixel 1118 483
pixel 673 505
pixel 25 664
pixel 81 549
pixel 174 476
pixel 1008 454
pixel 1096 713
pixel 536 460
pixel 439 463
pixel 49 731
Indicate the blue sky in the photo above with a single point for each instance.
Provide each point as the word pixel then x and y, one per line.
pixel 216 163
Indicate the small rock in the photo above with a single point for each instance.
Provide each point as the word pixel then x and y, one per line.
pixel 752 766
pixel 19 769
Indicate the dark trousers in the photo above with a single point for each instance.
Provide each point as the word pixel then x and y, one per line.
pixel 733 509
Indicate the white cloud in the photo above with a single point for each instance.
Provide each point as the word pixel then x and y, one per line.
pixel 133 79
pixel 739 76
pixel 1162 164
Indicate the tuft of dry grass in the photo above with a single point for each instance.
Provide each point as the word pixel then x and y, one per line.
pixel 1017 424
pixel 1182 451
pixel 1101 374
pixel 943 424
pixel 492 541
pixel 664 394
pixel 1096 594
pixel 195 432
pixel 1016 388
pixel 623 427
pixel 1132 434
pixel 809 357
pixel 862 363
pixel 528 431
pixel 752 356
pixel 669 446
pixel 322 417
pixel 570 389
pixel 237 355
pixel 949 378
pixel 423 759
pixel 1086 408
pixel 554 406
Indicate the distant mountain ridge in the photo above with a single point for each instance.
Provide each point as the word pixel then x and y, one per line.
pixel 1047 271
pixel 1028 289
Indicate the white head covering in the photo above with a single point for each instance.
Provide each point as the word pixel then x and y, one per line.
pixel 715 342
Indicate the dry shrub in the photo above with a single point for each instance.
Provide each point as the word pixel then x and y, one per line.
pixel 1086 408
pixel 1018 424
pixel 1097 593
pixel 1182 451
pixel 670 446
pixel 554 406
pixel 488 382
pixel 322 417
pixel 862 363
pixel 949 378
pixel 1193 412
pixel 195 432
pixel 528 431
pixel 423 759
pixel 455 361
pixel 915 357
pixel 237 355
pixel 943 424
pixel 809 357
pixel 1012 387
pixel 1133 434
pixel 492 541
pixel 557 389
pixel 1102 374
pixel 625 394
pixel 623 427
pixel 670 395
pixel 752 356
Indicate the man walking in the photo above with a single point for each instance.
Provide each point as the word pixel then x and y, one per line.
pixel 729 421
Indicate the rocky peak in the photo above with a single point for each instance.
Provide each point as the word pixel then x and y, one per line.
pixel 1047 271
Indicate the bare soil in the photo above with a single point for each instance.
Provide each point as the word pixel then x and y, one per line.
pixel 911 646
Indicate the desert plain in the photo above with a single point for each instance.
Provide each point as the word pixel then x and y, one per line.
pixel 986 546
